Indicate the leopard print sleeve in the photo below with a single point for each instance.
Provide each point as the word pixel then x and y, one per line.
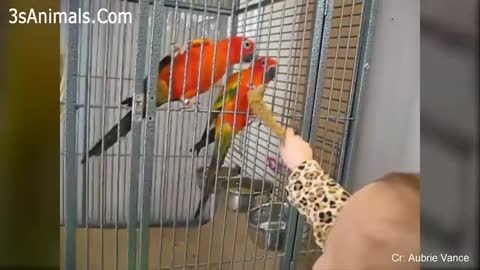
pixel 317 196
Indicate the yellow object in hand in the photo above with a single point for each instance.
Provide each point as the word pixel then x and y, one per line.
pixel 263 112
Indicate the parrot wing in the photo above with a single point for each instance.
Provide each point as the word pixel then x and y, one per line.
pixel 231 85
pixel 164 62
pixel 198 42
pixel 231 90
pixel 181 49
pixel 229 95
pixel 195 43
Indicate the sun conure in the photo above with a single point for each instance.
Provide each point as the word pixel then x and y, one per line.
pixel 241 50
pixel 233 116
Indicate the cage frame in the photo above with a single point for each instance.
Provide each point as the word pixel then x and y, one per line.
pixel 363 67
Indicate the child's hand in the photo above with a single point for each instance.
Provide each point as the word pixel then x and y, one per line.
pixel 294 150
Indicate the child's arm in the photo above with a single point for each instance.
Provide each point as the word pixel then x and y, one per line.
pixel 316 196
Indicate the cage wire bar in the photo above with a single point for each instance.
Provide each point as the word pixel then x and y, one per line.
pixel 337 73
pixel 272 35
pixel 333 113
pixel 137 111
pixel 70 142
pixel 282 82
pixel 363 67
pixel 316 138
pixel 320 36
pixel 337 101
pixel 150 115
pixel 132 206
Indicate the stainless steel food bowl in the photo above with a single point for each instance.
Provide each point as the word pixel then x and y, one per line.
pixel 270 221
pixel 239 193
pixel 222 175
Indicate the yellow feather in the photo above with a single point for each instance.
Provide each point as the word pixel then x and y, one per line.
pixel 263 112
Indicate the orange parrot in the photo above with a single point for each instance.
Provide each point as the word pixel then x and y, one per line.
pixel 241 50
pixel 233 116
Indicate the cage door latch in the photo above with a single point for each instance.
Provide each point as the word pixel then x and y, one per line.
pixel 139 107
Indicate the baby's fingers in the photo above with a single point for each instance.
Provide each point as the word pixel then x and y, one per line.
pixel 289 132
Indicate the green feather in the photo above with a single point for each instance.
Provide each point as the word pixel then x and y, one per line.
pixel 229 95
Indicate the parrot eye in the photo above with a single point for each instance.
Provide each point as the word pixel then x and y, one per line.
pixel 263 62
pixel 246 44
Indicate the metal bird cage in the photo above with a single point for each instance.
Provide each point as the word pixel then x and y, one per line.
pixel 132 207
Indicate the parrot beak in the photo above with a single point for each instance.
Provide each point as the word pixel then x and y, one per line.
pixel 270 73
pixel 248 58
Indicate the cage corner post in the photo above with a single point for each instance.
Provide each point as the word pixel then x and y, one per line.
pixel 323 12
pixel 322 65
pixel 158 20
pixel 70 144
pixel 137 109
pixel 362 66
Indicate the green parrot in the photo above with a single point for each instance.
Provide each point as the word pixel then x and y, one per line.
pixel 233 116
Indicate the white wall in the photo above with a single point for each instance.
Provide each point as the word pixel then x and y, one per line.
pixel 389 130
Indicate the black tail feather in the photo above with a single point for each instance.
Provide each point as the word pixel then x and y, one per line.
pixel 211 178
pixel 202 203
pixel 201 143
pixel 112 136
pixel 211 136
pixel 207 192
pixel 128 101
pixel 208 187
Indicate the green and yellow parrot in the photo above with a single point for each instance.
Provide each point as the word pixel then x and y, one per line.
pixel 233 116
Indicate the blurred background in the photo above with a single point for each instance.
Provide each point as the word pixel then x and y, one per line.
pixel 449 129
pixel 29 140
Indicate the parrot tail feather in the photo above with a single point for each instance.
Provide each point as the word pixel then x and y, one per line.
pixel 125 126
pixel 128 101
pixel 202 142
pixel 112 136
pixel 211 136
pixel 208 189
pixel 211 176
